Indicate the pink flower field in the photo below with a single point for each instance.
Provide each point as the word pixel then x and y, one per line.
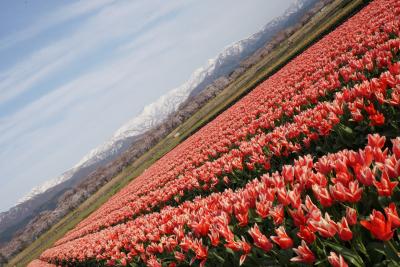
pixel 303 170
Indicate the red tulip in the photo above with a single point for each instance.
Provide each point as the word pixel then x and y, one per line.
pixel 278 214
pixel 288 173
pixel 392 215
pixel 337 261
pixel 392 166
pixel 214 237
pixel 376 141
pixel 234 245
pixel 314 212
pixel 394 68
pixel 201 228
pixel 385 186
pixel 282 239
pixel 263 208
pixel 370 109
pixel 298 217
pixel 366 176
pixel 246 249
pixel 306 234
pixel 344 231
pixel 153 262
pixel 240 245
pixel 377 120
pixel 295 198
pixel 396 147
pixel 200 251
pixel 260 240
pixel 304 254
pixel 283 196
pixel 323 166
pixel 340 166
pixel 242 212
pixel 354 192
pixel 379 226
pixel 351 216
pixel 326 226
pixel 357 115
pixel 323 196
pixel 225 231
pixel 366 156
pixel 179 256
pixel 338 192
pixel 395 101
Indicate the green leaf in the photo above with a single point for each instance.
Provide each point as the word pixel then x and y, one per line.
pixel 321 262
pixel 391 252
pixel 258 219
pixel 347 130
pixel 284 256
pixel 230 251
pixel 360 245
pixel 219 258
pixel 376 247
pixel 348 254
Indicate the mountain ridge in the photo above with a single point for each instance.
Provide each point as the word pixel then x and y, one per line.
pixel 154 113
pixel 157 111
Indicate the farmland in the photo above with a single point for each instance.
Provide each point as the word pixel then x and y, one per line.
pixel 303 169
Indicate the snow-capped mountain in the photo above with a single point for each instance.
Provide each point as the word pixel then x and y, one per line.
pixel 222 64
pixel 46 185
pixel 156 112
pixel 153 114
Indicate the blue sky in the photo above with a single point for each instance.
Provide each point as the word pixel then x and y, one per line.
pixel 73 72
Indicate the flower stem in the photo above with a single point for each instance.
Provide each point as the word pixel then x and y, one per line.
pixel 393 248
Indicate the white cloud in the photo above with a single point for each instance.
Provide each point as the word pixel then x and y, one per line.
pixel 115 21
pixel 66 13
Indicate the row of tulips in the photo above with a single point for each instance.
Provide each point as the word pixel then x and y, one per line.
pixel 340 208
pixel 304 79
pixel 145 208
pixel 279 143
pixel 304 212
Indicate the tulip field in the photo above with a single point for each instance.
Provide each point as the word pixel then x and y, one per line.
pixel 303 170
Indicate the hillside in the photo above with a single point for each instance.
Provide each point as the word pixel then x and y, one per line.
pixel 182 132
pixel 302 169
pixel 45 198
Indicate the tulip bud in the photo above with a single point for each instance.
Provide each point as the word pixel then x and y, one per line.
pixel 396 147
pixel 351 216
pixel 344 231
pixel 337 261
